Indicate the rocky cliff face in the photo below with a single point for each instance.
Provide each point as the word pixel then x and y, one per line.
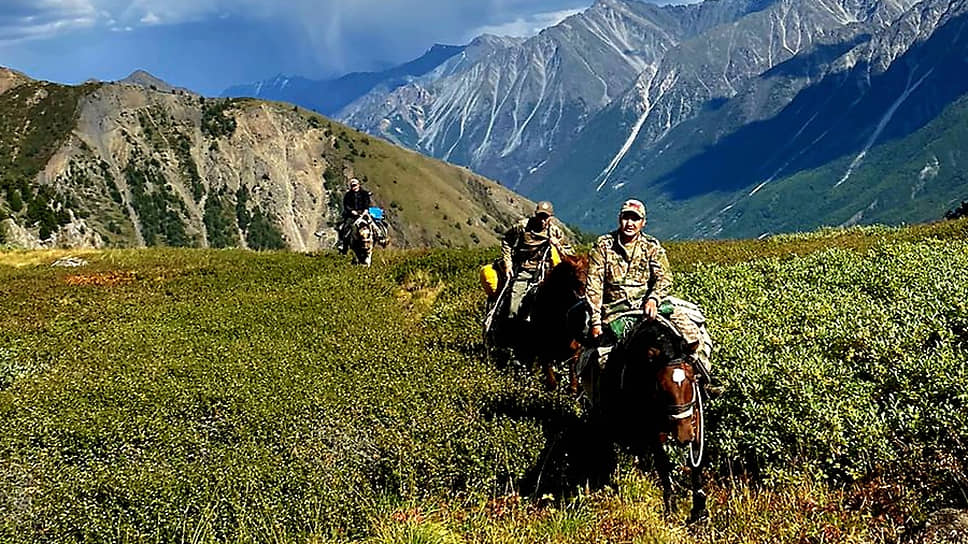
pixel 125 165
pixel 10 79
pixel 728 156
pixel 329 96
pixel 504 112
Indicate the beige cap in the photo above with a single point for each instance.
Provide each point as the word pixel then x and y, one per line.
pixel 544 207
pixel 633 206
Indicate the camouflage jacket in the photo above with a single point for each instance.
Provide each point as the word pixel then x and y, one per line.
pixel 628 274
pixel 523 249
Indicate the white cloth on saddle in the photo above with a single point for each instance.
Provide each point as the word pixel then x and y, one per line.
pixel 690 323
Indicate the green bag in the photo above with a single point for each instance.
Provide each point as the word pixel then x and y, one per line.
pixel 623 325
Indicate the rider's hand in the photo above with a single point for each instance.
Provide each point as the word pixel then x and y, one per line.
pixel 650 309
pixel 596 331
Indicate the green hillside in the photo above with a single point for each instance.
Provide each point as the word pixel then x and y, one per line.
pixel 900 181
pixel 114 165
pixel 178 395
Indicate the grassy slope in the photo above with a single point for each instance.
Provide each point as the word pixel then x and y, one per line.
pixel 906 180
pixel 233 396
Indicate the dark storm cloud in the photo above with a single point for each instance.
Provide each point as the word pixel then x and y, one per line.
pixel 24 19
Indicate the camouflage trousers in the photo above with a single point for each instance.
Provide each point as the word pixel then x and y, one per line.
pixel 519 288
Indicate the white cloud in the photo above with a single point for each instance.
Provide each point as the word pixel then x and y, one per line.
pixel 446 18
pixel 335 35
pixel 524 26
pixel 151 19
pixel 31 19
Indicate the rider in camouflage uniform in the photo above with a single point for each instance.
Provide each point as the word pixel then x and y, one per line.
pixel 526 248
pixel 628 272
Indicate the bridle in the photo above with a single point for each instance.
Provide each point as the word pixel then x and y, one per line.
pixel 681 411
pixel 691 410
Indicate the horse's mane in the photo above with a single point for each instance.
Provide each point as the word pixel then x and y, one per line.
pixel 561 290
pixel 568 277
pixel 655 334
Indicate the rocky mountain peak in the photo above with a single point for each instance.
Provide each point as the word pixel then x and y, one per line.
pixel 145 79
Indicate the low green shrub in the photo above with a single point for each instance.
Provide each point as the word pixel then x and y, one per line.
pixel 168 395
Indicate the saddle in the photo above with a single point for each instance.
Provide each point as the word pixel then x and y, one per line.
pixel 683 318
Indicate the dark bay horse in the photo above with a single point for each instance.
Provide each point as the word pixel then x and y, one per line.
pixel 545 334
pixel 647 392
pixel 558 319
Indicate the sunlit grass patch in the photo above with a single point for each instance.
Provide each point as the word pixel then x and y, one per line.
pixel 803 511
pixel 20 258
pixel 413 531
pixel 103 279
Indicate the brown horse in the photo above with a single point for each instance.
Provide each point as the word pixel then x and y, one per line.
pixel 543 334
pixel 558 320
pixel 647 391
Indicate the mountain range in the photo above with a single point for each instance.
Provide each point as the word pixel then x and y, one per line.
pixel 140 163
pixel 732 118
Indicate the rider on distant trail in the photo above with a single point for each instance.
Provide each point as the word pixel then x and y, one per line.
pixel 355 202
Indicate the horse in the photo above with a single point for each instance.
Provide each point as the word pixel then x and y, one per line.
pixel 545 312
pixel 361 239
pixel 648 393
pixel 648 390
pixel 558 317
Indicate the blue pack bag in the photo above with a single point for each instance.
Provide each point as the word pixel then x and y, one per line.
pixel 376 213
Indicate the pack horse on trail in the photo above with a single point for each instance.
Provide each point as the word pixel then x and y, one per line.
pixel 367 229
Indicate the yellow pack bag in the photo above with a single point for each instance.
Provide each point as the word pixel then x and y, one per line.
pixel 490 279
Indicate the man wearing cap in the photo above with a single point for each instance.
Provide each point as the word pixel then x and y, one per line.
pixel 355 202
pixel 526 248
pixel 627 270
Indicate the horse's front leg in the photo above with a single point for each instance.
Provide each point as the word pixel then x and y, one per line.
pixel 699 511
pixel 664 466
pixel 551 379
pixel 573 367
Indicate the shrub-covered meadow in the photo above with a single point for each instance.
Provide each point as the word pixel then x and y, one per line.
pixel 172 395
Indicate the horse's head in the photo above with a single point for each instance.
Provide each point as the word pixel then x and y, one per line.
pixel 571 272
pixel 677 390
pixel 363 230
pixel 660 354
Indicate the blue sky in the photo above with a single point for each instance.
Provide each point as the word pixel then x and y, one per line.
pixel 208 45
